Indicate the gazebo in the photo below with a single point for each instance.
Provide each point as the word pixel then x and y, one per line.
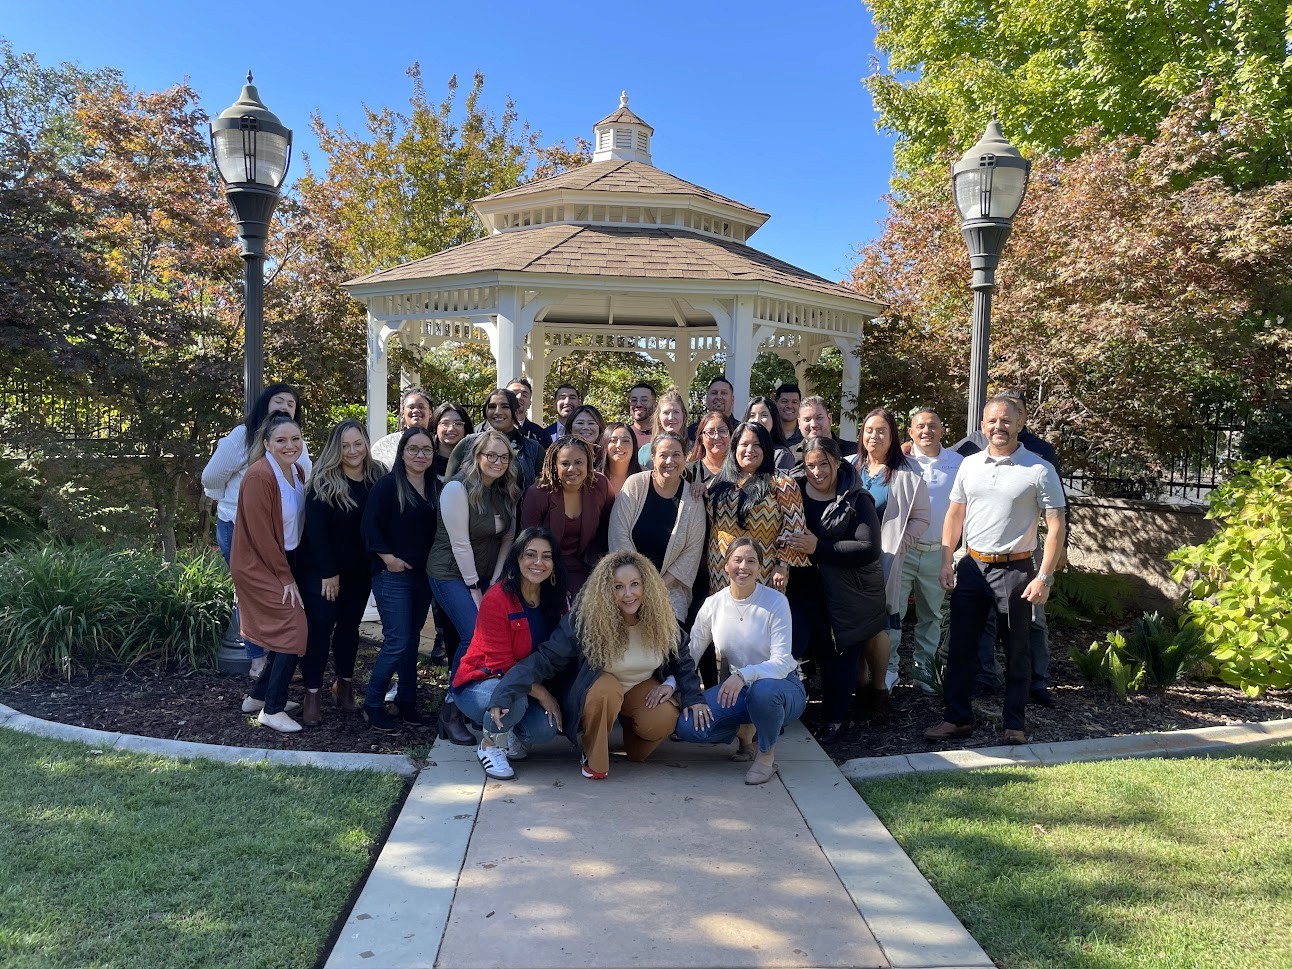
pixel 614 256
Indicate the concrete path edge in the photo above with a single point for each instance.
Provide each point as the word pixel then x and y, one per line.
pixel 1174 743
pixel 185 750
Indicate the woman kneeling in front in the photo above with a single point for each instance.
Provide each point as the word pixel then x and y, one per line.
pixel 617 647
pixel 516 614
pixel 749 624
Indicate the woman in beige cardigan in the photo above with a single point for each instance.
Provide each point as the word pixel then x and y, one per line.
pixel 657 515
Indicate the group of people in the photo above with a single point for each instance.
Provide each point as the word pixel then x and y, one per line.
pixel 677 578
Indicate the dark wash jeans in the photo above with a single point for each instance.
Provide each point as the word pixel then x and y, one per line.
pixel 271 686
pixel 983 590
pixel 403 599
pixel 333 624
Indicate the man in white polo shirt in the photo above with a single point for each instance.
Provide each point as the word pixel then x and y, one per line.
pixel 922 567
pixel 995 501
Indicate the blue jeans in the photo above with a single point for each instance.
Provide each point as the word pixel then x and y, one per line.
pixel 460 606
pixel 767 704
pixel 403 599
pixel 224 539
pixel 526 717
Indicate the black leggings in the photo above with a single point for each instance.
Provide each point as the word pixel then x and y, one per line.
pixel 334 624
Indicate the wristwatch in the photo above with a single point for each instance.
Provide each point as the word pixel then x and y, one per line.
pixel 1047 578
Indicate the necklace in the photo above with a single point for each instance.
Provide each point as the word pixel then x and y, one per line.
pixel 743 606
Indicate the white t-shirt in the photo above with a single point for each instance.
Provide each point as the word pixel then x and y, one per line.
pixel 751 635
pixel 293 495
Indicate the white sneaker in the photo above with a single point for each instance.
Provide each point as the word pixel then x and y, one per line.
pixel 279 721
pixel 494 761
pixel 252 705
pixel 393 691
pixel 517 749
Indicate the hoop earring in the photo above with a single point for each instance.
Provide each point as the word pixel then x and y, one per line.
pixel 552 579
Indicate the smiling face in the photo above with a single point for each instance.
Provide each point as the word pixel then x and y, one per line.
pixel 668 461
pixel 716 436
pixel 566 402
pixel 629 590
pixel 493 461
pixel 720 398
pixel 926 432
pixel 814 421
pixel 418 453
pixel 572 467
pixel 743 568
pixel 749 453
pixel 536 562
pixel 523 394
pixel 641 405
pixel 498 413
pixel 822 473
pixel 620 445
pixel 451 428
pixel 585 428
pixel 787 405
pixel 283 401
pixel 672 417
pixel 285 444
pixel 760 413
pixel 416 411
pixel 354 449
pixel 876 438
pixel 1001 423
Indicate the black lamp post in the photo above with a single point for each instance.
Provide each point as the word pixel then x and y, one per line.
pixel 989 183
pixel 252 150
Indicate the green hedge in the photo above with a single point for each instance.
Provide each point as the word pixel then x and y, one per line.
pixel 76 607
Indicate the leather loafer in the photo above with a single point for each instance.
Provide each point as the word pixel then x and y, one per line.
pixel 831 733
pixel 948 731
pixel 1013 737
pixel 1041 697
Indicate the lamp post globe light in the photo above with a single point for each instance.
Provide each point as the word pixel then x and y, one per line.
pixel 989 183
pixel 252 150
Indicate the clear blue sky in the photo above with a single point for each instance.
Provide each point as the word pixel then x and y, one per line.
pixel 761 102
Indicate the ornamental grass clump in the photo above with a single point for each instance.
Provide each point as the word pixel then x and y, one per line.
pixel 1240 582
pixel 77 607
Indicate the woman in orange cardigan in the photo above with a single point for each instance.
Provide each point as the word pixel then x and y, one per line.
pixel 518 612
pixel 267 531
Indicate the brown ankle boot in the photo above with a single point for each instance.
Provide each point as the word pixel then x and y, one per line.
pixel 312 709
pixel 343 694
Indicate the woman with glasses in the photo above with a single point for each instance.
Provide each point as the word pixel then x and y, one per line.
pixel 502 413
pixel 712 442
pixel 450 423
pixel 656 516
pixel 670 415
pixel 572 501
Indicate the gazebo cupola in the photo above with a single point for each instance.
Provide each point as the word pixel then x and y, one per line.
pixel 622 136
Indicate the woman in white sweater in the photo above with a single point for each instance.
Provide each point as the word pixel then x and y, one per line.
pixel 749 624
pixel 222 476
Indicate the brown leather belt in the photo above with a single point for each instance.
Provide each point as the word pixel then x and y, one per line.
pixel 998 558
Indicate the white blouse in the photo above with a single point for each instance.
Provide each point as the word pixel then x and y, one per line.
pixel 293 494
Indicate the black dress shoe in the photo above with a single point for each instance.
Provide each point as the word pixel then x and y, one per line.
pixel 379 718
pixel 1041 697
pixel 453 727
pixel 410 715
pixel 828 734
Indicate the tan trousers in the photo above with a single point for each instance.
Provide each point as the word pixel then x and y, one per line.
pixel 644 728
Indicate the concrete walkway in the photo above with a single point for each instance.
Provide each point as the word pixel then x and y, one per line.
pixel 667 864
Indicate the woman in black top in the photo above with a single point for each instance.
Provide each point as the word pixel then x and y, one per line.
pixel 335 577
pixel 837 603
pixel 399 526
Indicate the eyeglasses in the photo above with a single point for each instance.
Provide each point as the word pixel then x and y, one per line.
pixel 445 422
pixel 716 433
pixel 496 458
pixel 420 452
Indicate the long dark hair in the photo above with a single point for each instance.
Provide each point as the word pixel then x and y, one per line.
pixel 554 594
pixel 603 459
pixel 403 487
pixel 759 483
pixel 446 408
pixel 513 404
pixel 700 449
pixel 255 419
pixel 778 439
pixel 894 459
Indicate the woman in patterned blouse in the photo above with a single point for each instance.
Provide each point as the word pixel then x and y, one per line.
pixel 751 498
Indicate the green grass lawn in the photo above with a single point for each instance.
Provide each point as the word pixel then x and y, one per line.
pixel 113 859
pixel 1163 863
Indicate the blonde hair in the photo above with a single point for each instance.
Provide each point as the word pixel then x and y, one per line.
pixel 469 475
pixel 600 627
pixel 259 446
pixel 673 395
pixel 328 481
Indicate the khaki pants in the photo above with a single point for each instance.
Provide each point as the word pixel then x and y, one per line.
pixel 644 728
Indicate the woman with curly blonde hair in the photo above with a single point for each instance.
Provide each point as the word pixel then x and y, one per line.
pixel 627 650
pixel 572 500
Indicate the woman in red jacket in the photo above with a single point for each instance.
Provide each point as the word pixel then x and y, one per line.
pixel 518 612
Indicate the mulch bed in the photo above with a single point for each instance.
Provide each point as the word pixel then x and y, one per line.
pixel 206 708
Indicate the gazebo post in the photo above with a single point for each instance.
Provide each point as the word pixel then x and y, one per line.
pixel 740 351
pixel 377 378
pixel 507 338
pixel 851 394
pixel 536 370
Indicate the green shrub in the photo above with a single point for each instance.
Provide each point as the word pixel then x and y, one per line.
pixel 1085 595
pixel 1240 582
pixel 20 490
pixel 1268 434
pixel 69 607
pixel 1153 653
